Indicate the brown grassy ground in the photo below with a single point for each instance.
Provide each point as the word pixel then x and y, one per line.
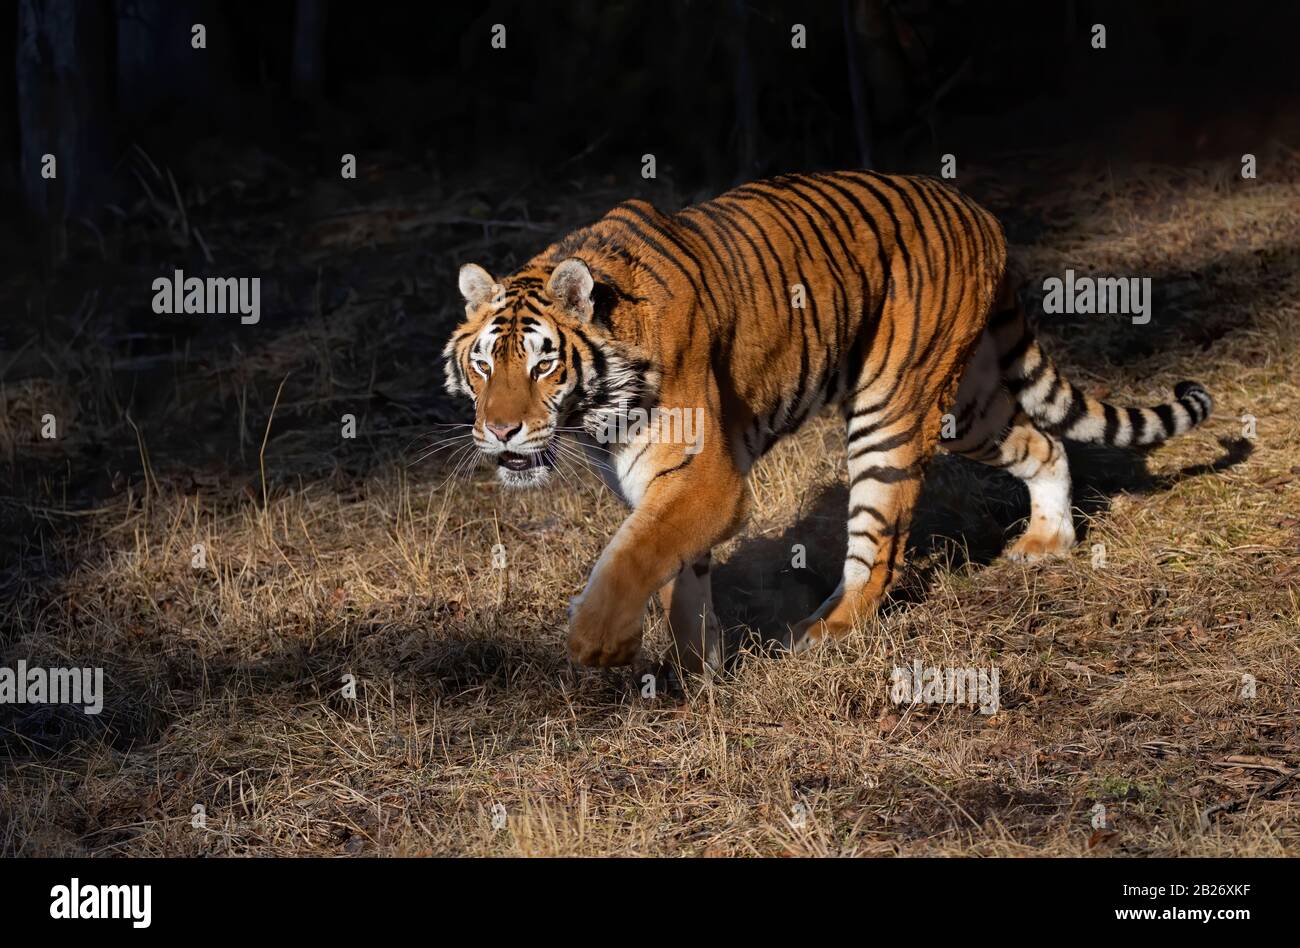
pixel 1121 684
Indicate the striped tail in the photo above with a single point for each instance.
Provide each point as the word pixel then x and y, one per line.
pixel 1064 410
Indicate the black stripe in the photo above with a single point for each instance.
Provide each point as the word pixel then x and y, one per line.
pixel 888 444
pixel 868 509
pixel 1138 420
pixel 1112 423
pixel 1166 415
pixel 887 474
pixel 676 467
pixel 1078 409
pixel 863 432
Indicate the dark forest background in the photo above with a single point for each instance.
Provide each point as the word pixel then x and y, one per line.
pixel 713 89
pixel 225 161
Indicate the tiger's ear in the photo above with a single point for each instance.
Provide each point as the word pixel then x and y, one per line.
pixel 570 286
pixel 476 285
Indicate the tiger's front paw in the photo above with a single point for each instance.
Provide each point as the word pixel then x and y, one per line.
pixel 604 629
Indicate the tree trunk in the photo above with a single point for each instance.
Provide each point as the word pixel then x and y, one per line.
pixel 63 111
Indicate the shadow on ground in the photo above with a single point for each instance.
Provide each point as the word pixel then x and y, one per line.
pixel 967 514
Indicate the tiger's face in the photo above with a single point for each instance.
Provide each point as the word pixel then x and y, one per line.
pixel 533 363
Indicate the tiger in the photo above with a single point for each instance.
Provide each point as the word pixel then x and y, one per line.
pixel 886 296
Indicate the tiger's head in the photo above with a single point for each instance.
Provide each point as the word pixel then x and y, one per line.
pixel 536 363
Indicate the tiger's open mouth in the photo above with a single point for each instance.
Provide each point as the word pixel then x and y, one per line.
pixel 522 462
pixel 525 469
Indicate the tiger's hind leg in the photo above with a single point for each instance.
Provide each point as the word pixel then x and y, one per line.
pixel 688 602
pixel 889 444
pixel 992 429
pixel 1038 459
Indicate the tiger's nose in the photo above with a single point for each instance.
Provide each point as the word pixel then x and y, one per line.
pixel 503 432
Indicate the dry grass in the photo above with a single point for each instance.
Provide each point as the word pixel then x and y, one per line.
pixel 1120 685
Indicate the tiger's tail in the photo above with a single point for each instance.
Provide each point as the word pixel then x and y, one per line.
pixel 1063 409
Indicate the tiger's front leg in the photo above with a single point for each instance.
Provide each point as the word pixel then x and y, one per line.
pixel 688 503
